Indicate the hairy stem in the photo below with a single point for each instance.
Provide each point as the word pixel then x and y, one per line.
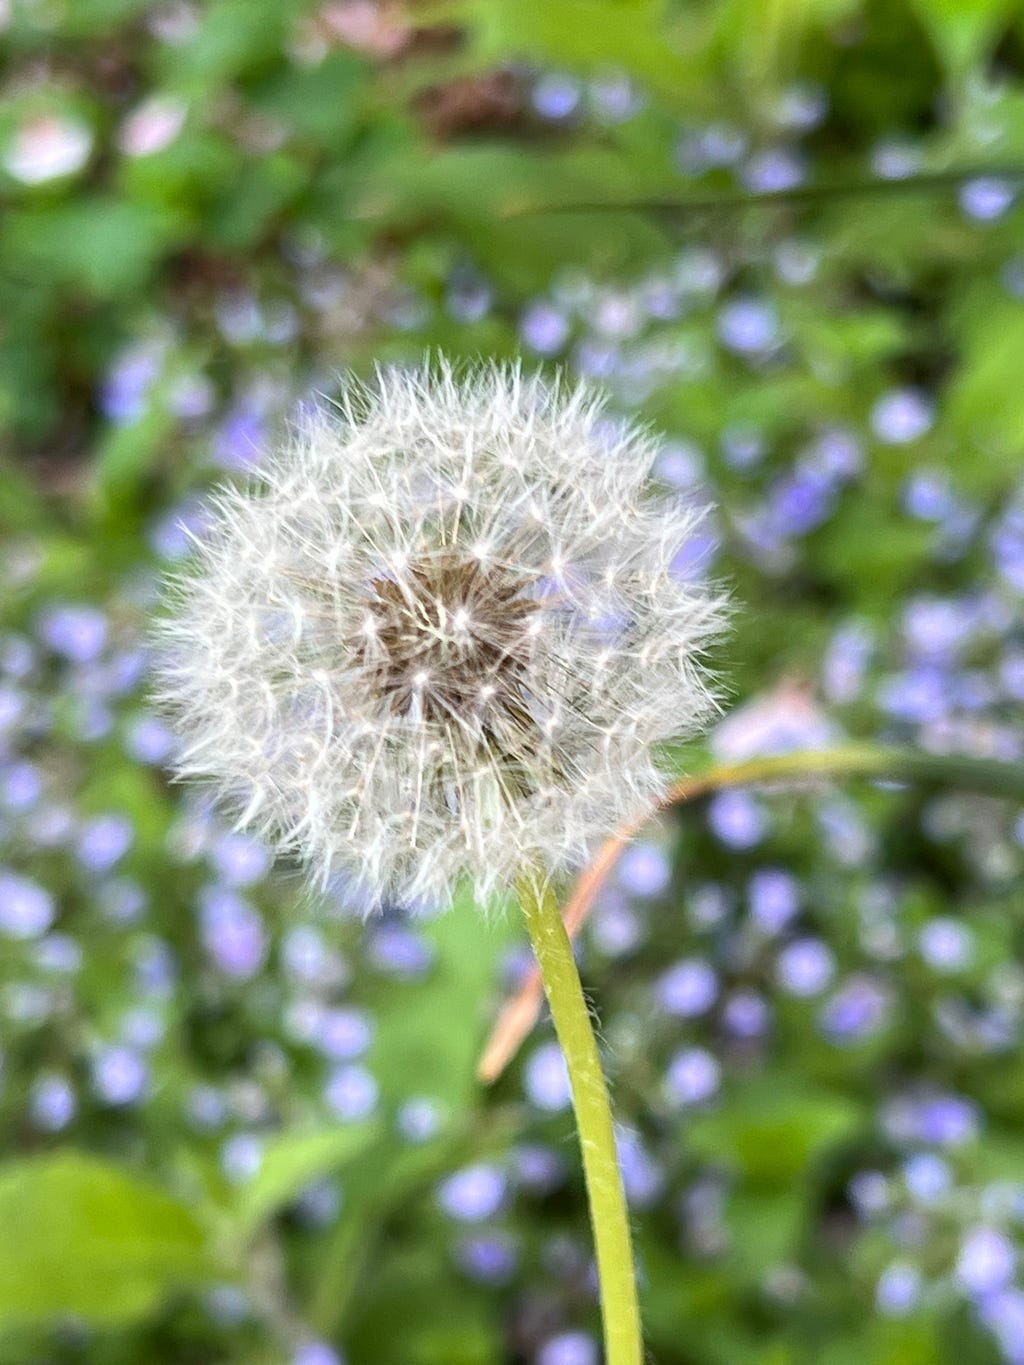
pixel 609 1216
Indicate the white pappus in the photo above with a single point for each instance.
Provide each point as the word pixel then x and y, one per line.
pixel 439 634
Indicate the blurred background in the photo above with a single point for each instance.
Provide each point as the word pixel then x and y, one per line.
pixel 238 1129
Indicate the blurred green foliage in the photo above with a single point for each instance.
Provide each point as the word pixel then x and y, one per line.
pixel 209 208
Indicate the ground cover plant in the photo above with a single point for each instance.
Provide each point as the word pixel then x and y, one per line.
pixel 240 1126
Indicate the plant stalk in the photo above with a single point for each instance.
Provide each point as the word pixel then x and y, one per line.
pixel 609 1215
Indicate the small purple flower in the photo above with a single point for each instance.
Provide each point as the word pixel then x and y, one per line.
pixel 746 1015
pixel 846 662
pixel 893 160
pixel 774 899
pixel 126 389
pixel 773 170
pixel 800 502
pixel 241 440
pixel 120 1076
pixel 644 870
pixel 12 706
pixel 351 1093
pixel 688 989
pixel 1003 1313
pixel 488 1258
pixel 937 628
pixel 642 1177
pixel 207 1108
pixel 419 1120
pixel 902 416
pixel 155 967
pixel 171 536
pixel 695 558
pixel 681 464
pixel 143 1028
pixel 473 1194
pixel 76 631
pixel 22 785
pixel 556 96
pixel 537 1169
pixel 52 1103
pixel 59 953
pixel 944 1120
pixel 837 454
pixel 317 1353
pixel 546 1079
pixel 469 298
pixel 104 841
pixel 946 944
pixel 748 326
pixel 743 446
pixel 240 859
pixel 304 953
pixel 241 1157
pixel 927 1176
pixel 919 694
pixel 233 933
pixel 615 928
pixel 344 1033
pixel 782 722
pixel 986 198
pixel 615 99
pixel 738 819
pixel 319 1204
pixel 928 495
pixel 693 1077
pixel 870 1193
pixel 149 740
pixel 857 1010
pixel 26 909
pixel 400 951
pixel 1011 674
pixel 987 1261
pixel 122 900
pixel 17 656
pixel 228 1305
pixel 805 967
pixel 719 144
pixel 569 1348
pixel 898 1290
pixel 544 329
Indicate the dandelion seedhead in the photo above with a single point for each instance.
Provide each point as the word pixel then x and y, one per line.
pixel 440 634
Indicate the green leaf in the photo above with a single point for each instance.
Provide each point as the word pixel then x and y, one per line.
pixel 103 245
pixel 587 36
pixel 962 30
pixel 429 1033
pixel 772 1131
pixel 765 1229
pixel 21 507
pixel 84 1238
pixel 234 36
pixel 417 1311
pixel 986 405
pixel 295 1160
pixel 127 455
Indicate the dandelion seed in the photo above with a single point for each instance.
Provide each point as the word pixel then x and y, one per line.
pixel 438 634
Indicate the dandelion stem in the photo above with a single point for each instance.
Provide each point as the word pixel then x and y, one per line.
pixel 609 1215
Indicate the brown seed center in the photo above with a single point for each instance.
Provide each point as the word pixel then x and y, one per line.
pixel 450 639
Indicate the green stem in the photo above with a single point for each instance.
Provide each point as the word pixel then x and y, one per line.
pixel 959 772
pixel 609 1216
